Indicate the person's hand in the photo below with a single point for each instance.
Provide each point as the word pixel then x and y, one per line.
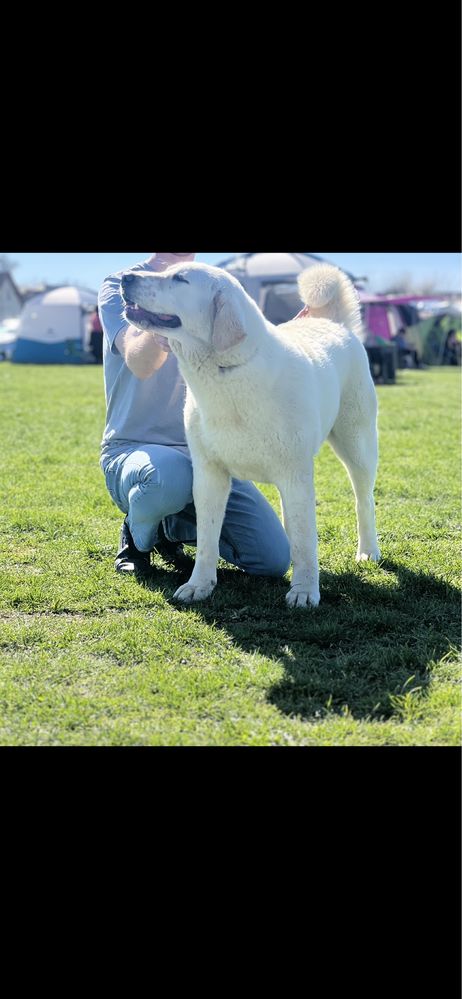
pixel 162 342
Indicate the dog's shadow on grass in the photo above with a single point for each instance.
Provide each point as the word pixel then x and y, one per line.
pixel 363 652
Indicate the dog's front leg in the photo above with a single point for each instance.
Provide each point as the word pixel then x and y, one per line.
pixel 299 510
pixel 211 488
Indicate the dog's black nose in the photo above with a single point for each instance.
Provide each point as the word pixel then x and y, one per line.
pixel 126 279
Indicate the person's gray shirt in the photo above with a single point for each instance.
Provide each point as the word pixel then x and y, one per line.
pixel 138 412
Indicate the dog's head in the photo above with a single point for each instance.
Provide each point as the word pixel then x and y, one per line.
pixel 188 302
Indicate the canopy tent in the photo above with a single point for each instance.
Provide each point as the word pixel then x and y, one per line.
pixel 54 327
pixel 271 280
pixel 435 333
pixel 426 320
pixel 384 315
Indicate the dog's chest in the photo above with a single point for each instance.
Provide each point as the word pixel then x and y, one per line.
pixel 237 432
pixel 244 453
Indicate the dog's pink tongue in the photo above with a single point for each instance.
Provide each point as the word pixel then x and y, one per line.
pixel 159 261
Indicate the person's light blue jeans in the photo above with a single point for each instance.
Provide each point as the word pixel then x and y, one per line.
pixel 153 483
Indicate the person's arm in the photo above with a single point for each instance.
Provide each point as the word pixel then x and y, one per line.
pixel 140 351
pixel 142 355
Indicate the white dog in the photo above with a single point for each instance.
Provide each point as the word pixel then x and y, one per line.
pixel 262 399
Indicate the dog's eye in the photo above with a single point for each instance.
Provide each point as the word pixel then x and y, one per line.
pixel 179 277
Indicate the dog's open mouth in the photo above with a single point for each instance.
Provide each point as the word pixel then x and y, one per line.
pixel 135 313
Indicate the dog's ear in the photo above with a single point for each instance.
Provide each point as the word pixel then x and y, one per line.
pixel 228 324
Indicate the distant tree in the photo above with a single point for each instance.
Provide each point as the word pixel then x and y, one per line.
pixel 430 286
pixel 404 284
pixel 7 264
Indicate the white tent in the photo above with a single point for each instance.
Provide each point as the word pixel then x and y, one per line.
pixel 53 327
pixel 271 280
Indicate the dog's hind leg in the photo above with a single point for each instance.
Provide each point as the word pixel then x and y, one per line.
pixel 299 512
pixel 355 443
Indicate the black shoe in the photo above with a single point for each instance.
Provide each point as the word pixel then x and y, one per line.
pixel 128 558
pixel 171 552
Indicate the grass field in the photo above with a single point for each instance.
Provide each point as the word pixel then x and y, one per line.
pixel 88 657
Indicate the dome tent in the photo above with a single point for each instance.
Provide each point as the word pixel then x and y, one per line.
pixel 53 327
pixel 271 280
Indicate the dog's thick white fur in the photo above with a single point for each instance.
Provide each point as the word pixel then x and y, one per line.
pixel 262 399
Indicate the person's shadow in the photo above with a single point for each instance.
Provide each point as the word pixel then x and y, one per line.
pixel 368 646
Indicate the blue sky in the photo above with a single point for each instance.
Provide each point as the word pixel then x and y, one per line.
pixel 90 269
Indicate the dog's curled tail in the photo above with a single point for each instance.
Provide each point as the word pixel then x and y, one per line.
pixel 331 295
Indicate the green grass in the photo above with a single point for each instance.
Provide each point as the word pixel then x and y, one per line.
pixel 88 657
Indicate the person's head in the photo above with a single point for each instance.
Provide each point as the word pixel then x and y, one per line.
pixel 162 260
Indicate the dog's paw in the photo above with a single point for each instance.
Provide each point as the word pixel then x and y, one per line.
pixel 298 597
pixel 369 556
pixel 190 592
